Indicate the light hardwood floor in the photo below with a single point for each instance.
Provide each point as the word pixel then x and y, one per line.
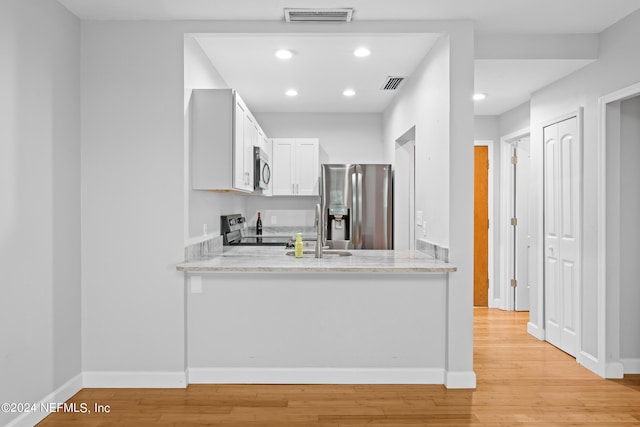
pixel 521 381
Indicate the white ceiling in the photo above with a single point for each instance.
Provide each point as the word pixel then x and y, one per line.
pixel 510 82
pixel 490 16
pixel 324 66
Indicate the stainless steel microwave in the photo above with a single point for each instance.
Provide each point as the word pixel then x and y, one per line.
pixel 262 169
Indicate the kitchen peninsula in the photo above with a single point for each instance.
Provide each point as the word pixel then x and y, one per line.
pixel 258 315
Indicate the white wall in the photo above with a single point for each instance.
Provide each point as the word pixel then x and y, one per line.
pixel 202 207
pixel 423 102
pixel 617 67
pixel 485 128
pixel 40 193
pixel 437 101
pixel 515 120
pixel 630 236
pixel 132 200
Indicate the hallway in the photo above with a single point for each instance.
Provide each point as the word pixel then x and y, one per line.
pixel 520 381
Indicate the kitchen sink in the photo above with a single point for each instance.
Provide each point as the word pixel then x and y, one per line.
pixel 325 253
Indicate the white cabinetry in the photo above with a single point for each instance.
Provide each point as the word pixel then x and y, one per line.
pixel 223 133
pixel 296 166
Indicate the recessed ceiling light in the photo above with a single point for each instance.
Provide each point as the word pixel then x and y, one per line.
pixel 349 92
pixel 291 92
pixel 479 96
pixel 284 54
pixel 362 52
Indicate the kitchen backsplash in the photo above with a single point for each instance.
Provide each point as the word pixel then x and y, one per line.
pixel 210 246
pixel 282 218
pixel 284 230
pixel 433 250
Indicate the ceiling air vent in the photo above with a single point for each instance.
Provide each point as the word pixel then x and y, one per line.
pixel 392 83
pixel 318 15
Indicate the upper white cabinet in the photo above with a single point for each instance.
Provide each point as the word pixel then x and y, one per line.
pixel 223 135
pixel 296 166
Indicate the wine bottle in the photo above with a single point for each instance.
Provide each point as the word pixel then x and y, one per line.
pixel 259 229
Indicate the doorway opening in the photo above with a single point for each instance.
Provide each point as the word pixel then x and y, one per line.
pixel 404 191
pixel 515 214
pixel 481 227
pixel 484 288
pixel 618 351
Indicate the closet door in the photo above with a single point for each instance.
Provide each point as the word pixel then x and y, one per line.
pixel 562 179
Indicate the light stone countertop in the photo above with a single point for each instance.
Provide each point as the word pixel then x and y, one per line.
pixel 254 259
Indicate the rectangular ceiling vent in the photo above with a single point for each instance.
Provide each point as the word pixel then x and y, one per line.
pixel 318 15
pixel 392 83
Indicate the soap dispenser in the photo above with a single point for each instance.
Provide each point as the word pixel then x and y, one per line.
pixel 299 249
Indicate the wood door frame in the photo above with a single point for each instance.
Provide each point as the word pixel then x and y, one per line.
pixel 608 292
pixel 491 251
pixel 505 301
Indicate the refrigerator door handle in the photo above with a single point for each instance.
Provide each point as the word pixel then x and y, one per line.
pixel 360 208
pixel 354 213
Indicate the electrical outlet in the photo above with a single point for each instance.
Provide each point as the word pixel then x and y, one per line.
pixel 273 219
pixel 196 284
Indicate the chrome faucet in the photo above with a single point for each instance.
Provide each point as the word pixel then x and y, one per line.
pixel 319 231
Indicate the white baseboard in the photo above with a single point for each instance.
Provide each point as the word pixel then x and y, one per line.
pixel 631 366
pixel 60 395
pixel 534 330
pixel 134 379
pixel 463 379
pixel 614 370
pixel 315 376
pixel 590 362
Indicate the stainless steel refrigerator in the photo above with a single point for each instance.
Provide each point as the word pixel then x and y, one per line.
pixel 357 206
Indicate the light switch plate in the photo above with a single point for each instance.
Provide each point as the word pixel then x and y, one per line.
pixel 419 218
pixel 196 284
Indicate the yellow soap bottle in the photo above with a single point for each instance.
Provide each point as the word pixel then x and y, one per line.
pixel 298 250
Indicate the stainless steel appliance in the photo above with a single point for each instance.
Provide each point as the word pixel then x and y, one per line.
pixel 357 206
pixel 233 230
pixel 262 169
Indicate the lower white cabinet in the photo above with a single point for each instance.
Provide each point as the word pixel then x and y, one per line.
pixel 296 166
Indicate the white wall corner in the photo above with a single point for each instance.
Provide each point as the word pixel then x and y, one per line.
pixel 534 330
pixel 61 394
pixel 462 379
pixel 133 379
pixel 315 376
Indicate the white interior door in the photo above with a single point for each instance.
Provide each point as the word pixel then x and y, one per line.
pixel 562 178
pixel 522 184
